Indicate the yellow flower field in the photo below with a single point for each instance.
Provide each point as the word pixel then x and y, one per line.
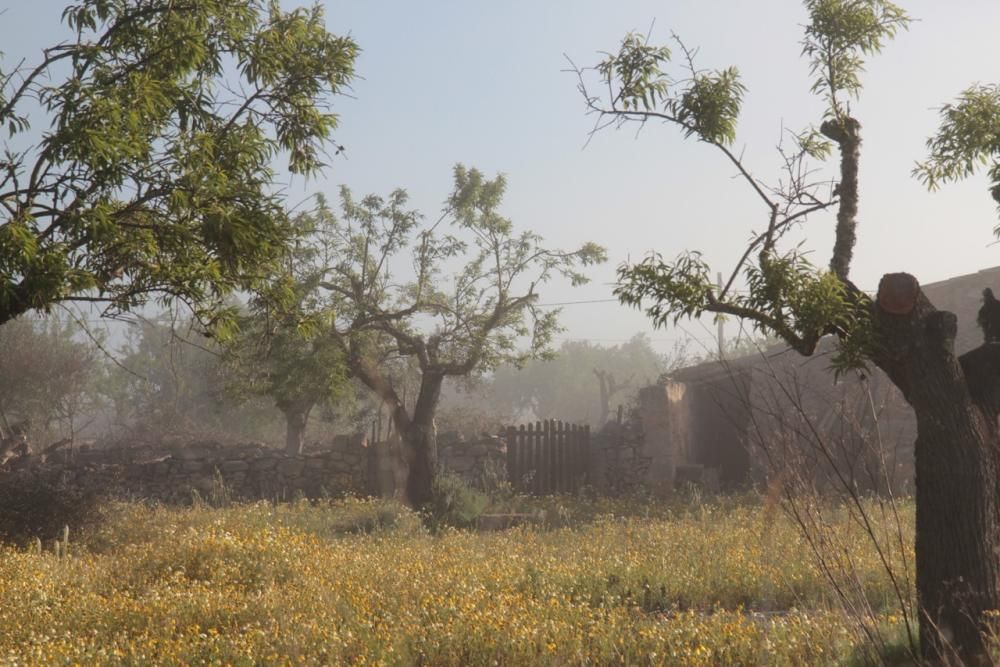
pixel 361 582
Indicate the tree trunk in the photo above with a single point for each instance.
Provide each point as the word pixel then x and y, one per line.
pixel 296 416
pixel 419 439
pixel 958 526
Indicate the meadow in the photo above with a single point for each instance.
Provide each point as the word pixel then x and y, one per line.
pixel 358 582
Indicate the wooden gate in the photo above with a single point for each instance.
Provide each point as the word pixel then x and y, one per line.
pixel 548 457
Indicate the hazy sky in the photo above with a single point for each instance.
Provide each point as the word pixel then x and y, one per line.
pixel 483 84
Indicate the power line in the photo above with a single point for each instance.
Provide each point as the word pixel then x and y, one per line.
pixel 574 303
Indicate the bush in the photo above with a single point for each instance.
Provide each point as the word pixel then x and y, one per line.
pixel 35 507
pixel 454 503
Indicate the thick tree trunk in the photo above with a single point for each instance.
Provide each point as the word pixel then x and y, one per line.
pixel 419 440
pixel 958 526
pixel 420 451
pixel 296 416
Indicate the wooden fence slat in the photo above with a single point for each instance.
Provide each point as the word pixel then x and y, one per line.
pixel 528 460
pixel 573 458
pixel 560 452
pixel 554 455
pixel 544 467
pixel 533 432
pixel 512 450
pixel 549 456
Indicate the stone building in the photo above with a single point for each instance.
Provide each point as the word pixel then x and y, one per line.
pixel 731 423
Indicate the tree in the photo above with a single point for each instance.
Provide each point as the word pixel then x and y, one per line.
pixel 473 321
pixel 171 381
pixel 150 173
pixel 956 400
pixel 581 379
pixel 290 353
pixel 48 374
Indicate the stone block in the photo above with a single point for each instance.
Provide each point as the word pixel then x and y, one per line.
pixel 266 463
pixel 291 467
pixel 192 453
pixel 231 466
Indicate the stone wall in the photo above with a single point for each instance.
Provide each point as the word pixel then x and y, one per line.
pixel 664 412
pixel 179 474
pixel 620 460
pixel 474 460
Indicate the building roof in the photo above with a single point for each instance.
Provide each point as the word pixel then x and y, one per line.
pixel 961 295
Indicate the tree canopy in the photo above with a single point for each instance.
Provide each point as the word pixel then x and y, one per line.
pixel 141 150
pixel 468 304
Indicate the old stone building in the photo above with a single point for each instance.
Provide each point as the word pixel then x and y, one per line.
pixel 738 421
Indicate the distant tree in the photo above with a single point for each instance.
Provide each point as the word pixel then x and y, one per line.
pixel 172 381
pixel 48 374
pixel 469 407
pixel 291 354
pixel 956 399
pixel 581 379
pixel 148 169
pixel 454 327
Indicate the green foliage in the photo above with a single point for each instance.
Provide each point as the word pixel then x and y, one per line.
pixel 670 290
pixel 474 320
pixel 710 107
pixel 786 295
pixel 967 139
pixel 49 375
pixel 286 348
pixel 797 295
pixel 454 503
pixel 704 104
pixel 154 173
pixel 637 68
pixel 838 36
pixel 813 144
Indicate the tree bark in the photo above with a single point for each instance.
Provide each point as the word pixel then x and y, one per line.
pixel 296 416
pixel 958 525
pixel 419 439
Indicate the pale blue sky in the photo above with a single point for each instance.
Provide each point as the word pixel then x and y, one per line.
pixel 482 83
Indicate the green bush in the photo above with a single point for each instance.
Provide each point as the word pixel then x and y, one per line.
pixel 454 503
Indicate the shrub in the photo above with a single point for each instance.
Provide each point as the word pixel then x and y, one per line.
pixel 35 507
pixel 454 503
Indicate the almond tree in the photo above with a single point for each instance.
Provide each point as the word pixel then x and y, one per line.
pixel 138 158
pixel 466 303
pixel 956 399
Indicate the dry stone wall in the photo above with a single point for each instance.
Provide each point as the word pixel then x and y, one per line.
pixel 476 461
pixel 206 469
pixel 180 473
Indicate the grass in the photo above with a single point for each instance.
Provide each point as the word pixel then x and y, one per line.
pixel 363 582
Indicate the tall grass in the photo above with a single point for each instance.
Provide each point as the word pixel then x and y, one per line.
pixel 362 582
